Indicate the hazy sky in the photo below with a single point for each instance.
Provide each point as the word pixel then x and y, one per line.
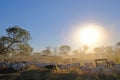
pixel 51 22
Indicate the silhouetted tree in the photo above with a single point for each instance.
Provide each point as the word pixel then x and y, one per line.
pixel 4 43
pixel 85 47
pixel 47 51
pixel 117 48
pixel 25 49
pixel 55 51
pixel 118 44
pixel 64 49
pixel 109 50
pixel 97 50
pixel 76 52
pixel 15 36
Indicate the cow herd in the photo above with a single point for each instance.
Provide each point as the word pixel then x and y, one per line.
pixel 86 68
pixel 18 66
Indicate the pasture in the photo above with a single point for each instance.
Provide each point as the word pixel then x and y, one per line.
pixel 37 74
pixel 73 71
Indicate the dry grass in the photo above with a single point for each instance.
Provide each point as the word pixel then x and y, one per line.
pixel 34 73
pixel 42 74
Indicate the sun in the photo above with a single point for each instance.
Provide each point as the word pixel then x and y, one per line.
pixel 89 34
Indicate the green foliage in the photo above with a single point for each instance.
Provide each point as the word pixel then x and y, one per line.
pixel 46 52
pixel 18 34
pixel 15 37
pixel 25 48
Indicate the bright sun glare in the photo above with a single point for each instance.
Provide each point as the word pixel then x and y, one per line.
pixel 89 34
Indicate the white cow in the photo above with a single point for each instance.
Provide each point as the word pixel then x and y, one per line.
pixel 64 67
pixel 18 66
pixel 100 70
pixel 4 65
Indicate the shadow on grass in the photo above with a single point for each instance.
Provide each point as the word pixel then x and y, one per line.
pixel 49 75
pixel 38 75
pixel 7 71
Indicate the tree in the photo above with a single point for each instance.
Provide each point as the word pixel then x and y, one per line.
pixel 85 47
pixel 97 50
pixel 64 49
pixel 117 49
pixel 55 51
pixel 47 51
pixel 15 36
pixel 109 50
pixel 76 52
pixel 4 41
pixel 118 44
pixel 25 49
pixel 18 35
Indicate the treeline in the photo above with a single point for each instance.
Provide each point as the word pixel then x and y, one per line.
pixel 16 44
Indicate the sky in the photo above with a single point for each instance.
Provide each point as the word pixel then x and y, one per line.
pixel 51 22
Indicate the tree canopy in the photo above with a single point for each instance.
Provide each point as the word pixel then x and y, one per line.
pixel 15 37
pixel 64 49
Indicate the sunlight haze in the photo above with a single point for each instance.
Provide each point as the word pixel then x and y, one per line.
pixel 53 23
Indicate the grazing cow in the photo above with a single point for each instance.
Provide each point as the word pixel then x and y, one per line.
pixel 110 64
pixel 116 67
pixel 95 70
pixel 27 65
pixel 51 67
pixel 65 67
pixel 75 65
pixel 18 66
pixel 103 69
pixel 4 65
pixel 84 69
pixel 68 67
pixel 21 66
pixel 89 65
pixel 14 65
pixel 41 65
pixel 72 66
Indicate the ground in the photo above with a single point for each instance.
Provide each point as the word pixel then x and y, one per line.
pixel 43 74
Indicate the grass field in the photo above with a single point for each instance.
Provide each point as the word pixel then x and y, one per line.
pixel 43 74
pixel 34 73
